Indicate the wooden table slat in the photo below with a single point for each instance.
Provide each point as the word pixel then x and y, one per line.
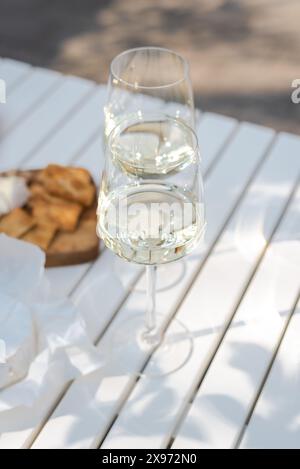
pixel 211 142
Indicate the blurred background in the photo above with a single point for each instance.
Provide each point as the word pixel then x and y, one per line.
pixel 244 54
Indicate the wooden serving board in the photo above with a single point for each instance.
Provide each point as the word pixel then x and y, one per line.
pixel 69 248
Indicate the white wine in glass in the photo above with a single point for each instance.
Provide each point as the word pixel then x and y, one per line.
pixel 151 207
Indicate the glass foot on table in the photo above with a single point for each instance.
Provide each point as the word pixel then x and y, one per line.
pixel 168 351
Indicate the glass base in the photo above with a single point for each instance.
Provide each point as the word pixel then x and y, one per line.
pixel 170 350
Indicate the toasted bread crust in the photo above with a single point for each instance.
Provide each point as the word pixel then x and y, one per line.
pixel 64 214
pixel 41 235
pixel 73 184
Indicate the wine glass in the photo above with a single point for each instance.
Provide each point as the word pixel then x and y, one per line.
pixel 151 208
pixel 148 79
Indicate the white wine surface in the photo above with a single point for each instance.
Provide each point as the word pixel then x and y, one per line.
pixel 152 223
pixel 154 147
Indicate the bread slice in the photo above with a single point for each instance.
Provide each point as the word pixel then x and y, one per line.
pixel 41 235
pixel 49 208
pixel 63 214
pixel 16 223
pixel 73 184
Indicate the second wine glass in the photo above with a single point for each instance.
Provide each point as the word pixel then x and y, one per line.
pixel 148 79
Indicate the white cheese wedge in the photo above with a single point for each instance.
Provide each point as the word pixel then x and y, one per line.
pixel 13 193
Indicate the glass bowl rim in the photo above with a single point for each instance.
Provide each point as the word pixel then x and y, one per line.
pixel 143 87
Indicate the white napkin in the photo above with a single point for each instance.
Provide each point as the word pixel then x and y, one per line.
pixel 41 338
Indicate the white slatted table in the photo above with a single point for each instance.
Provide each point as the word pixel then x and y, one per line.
pixel 237 293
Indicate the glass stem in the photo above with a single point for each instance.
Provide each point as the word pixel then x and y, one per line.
pixel 151 334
